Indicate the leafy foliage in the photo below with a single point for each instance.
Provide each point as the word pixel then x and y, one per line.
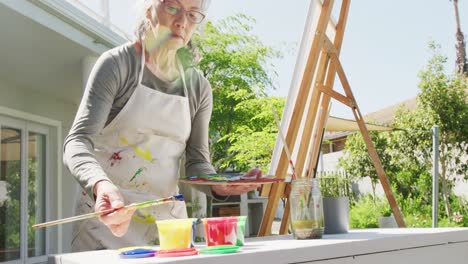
pixel 11 208
pixel 406 154
pixel 442 102
pixel 335 184
pixel 364 213
pixel 444 98
pixel 242 128
pixel 356 161
pixel 252 142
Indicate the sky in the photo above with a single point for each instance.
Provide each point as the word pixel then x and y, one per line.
pixel 384 48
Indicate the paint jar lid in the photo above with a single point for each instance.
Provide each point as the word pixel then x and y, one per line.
pixel 221 249
pixel 177 252
pixel 137 252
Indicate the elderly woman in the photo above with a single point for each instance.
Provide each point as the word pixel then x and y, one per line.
pixel 140 112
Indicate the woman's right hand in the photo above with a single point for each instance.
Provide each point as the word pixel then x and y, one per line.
pixel 108 196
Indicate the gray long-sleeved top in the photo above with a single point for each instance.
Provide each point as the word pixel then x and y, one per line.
pixel 109 87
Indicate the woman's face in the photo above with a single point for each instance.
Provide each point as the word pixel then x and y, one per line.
pixel 179 19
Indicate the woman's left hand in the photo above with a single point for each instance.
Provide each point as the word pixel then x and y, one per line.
pixel 225 190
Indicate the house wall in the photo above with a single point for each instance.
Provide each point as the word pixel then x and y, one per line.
pixel 23 100
pixel 329 161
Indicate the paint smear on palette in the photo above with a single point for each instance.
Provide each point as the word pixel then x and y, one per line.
pixel 145 154
pixel 137 173
pixel 115 158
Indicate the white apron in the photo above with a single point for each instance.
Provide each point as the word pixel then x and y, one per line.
pixel 140 151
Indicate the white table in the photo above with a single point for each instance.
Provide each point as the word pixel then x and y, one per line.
pixel 382 246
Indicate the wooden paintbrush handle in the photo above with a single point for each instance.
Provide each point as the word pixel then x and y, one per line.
pixel 178 197
pixel 75 218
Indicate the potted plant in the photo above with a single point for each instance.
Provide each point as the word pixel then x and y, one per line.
pixel 336 190
pixel 386 218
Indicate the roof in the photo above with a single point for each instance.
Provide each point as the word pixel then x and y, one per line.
pixel 340 127
pixel 341 124
pixel 387 114
pixel 335 135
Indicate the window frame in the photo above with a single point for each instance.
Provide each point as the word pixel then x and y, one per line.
pixel 27 126
pixel 43 130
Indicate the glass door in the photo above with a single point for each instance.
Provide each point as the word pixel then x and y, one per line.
pixel 10 191
pixel 23 191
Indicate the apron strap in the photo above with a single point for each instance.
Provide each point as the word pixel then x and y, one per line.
pixel 182 75
pixel 143 61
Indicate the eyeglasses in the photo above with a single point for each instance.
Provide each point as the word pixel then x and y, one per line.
pixel 174 9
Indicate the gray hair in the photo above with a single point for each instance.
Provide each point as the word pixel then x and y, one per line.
pixel 142 25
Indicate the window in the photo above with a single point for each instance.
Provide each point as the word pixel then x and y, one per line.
pixel 23 169
pixel 339 144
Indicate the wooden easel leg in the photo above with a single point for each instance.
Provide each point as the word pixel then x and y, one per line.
pixel 277 190
pixel 287 207
pixel 315 99
pixel 285 220
pixel 330 77
pixel 325 70
pixel 370 146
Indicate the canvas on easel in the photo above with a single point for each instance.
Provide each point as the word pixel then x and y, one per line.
pixel 307 109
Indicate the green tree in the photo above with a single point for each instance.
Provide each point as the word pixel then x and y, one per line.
pixel 411 152
pixel 443 102
pixel 356 160
pixel 407 154
pixel 253 141
pixel 237 65
pixel 11 208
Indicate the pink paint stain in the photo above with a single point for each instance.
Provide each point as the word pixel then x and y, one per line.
pixel 115 158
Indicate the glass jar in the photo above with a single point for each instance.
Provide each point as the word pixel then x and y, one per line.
pixel 306 211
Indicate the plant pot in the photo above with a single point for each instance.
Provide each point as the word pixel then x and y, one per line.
pixel 336 215
pixel 387 222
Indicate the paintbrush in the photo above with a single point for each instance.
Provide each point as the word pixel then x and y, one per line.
pixel 312 144
pixel 311 165
pixel 178 197
pixel 314 175
pixel 318 155
pixel 283 139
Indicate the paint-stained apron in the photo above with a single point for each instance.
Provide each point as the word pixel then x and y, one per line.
pixel 140 151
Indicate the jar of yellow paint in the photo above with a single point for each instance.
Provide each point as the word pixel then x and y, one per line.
pixel 175 233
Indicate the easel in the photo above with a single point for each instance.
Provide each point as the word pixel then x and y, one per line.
pixel 322 60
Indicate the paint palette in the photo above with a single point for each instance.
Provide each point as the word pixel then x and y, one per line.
pixel 228 179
